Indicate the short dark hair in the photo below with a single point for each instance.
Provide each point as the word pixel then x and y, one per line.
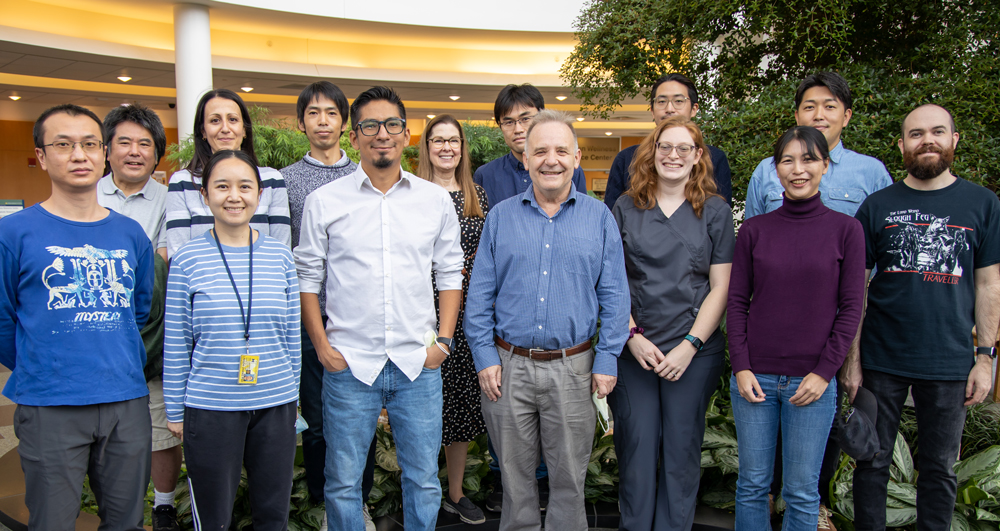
pixel 68 108
pixel 811 138
pixel 142 116
pixel 833 81
pixel 680 78
pixel 375 94
pixel 327 90
pixel 202 149
pixel 222 155
pixel 514 95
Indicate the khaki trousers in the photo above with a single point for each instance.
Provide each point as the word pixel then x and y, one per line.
pixel 544 409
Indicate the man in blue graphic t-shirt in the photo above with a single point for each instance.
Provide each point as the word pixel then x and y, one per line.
pixel 76 280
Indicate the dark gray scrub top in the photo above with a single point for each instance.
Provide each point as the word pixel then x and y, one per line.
pixel 667 261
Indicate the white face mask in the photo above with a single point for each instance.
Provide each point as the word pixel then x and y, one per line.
pixel 603 416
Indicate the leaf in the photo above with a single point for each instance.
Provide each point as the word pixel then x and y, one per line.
pixel 982 525
pixel 902 459
pixel 959 522
pixel 982 514
pixel 386 458
pixel 971 494
pixel 900 517
pixel 982 464
pixel 845 506
pixel 718 439
pixel 904 492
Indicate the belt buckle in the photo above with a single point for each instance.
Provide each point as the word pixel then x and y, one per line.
pixel 531 350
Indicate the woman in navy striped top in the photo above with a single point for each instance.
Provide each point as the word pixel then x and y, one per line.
pixel 222 121
pixel 231 354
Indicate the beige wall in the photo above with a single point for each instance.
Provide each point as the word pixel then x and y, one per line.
pixel 17 179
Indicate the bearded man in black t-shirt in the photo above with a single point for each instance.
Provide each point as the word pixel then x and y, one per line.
pixel 934 241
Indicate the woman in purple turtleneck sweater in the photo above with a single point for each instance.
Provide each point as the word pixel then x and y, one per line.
pixel 795 299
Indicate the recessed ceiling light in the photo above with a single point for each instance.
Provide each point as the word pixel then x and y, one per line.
pixel 15 98
pixel 579 118
pixel 561 98
pixel 124 79
pixel 246 89
pixel 454 98
pixel 607 133
pixel 431 116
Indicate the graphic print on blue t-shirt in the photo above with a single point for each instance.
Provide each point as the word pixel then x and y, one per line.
pixel 927 245
pixel 96 281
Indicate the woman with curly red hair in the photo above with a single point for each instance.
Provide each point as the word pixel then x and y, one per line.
pixel 678 238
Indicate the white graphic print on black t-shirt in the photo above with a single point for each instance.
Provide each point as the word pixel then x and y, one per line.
pixel 925 247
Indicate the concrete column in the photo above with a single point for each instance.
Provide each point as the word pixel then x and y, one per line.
pixel 192 62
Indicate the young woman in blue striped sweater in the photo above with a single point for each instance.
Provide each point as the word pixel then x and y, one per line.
pixel 232 354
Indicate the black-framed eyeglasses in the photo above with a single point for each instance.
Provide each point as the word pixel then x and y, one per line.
pixel 393 126
pixel 439 143
pixel 509 124
pixel 683 150
pixel 677 101
pixel 65 146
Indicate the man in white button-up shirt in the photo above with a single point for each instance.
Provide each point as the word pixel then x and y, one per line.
pixel 377 236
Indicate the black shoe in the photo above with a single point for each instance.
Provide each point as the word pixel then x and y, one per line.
pixel 494 502
pixel 165 518
pixel 543 493
pixel 465 510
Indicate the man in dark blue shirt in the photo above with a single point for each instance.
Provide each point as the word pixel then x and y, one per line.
pixel 506 176
pixel 672 95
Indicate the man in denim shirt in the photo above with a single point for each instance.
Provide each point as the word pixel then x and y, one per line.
pixel 823 101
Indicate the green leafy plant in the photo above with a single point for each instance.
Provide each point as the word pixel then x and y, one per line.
pixel 485 143
pixel 747 58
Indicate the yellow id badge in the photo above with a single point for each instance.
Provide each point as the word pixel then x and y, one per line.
pixel 248 369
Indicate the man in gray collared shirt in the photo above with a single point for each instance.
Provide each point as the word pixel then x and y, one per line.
pixel 136 142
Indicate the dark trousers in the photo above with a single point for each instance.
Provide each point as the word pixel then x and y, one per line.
pixel 657 420
pixel 313 443
pixel 940 413
pixel 59 445
pixel 218 444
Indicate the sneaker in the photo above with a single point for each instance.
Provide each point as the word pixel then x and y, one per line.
pixel 494 502
pixel 369 523
pixel 465 510
pixel 323 524
pixel 824 523
pixel 165 518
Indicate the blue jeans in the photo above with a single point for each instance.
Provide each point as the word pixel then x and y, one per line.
pixel 804 430
pixel 350 415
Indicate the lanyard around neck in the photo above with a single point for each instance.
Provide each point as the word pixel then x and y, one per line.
pixel 246 316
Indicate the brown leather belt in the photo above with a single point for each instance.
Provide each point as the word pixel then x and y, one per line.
pixel 542 355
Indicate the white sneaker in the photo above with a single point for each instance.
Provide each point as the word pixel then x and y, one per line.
pixel 322 525
pixel 369 524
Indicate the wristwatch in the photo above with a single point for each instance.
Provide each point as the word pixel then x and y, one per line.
pixel 698 344
pixel 987 351
pixel 446 341
pixel 635 330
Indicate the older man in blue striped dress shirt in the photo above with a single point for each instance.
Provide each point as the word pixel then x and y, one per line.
pixel 549 264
